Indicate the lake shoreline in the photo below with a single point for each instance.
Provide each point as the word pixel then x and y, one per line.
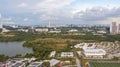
pixel 14 48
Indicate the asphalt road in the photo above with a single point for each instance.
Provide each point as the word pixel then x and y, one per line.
pixel 78 62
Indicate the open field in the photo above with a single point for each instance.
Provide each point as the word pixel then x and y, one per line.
pixel 57 46
pixel 58 40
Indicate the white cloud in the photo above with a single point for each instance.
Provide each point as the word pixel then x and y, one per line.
pixel 68 11
pixel 7 19
pixel 34 13
pixel 98 13
pixel 48 18
pixel 83 6
pixel 23 5
pixel 110 20
pixel 53 4
pixel 53 9
pixel 25 19
pixel 8 22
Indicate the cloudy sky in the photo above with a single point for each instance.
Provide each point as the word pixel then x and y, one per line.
pixel 34 12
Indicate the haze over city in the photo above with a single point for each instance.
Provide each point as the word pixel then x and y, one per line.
pixel 27 12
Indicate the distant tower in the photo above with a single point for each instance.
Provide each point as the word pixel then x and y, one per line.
pixel 1 26
pixel 107 30
pixel 119 29
pixel 49 25
pixel 31 29
pixel 113 28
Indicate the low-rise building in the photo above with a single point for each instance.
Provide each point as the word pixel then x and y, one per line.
pixel 15 62
pixel 54 30
pixel 19 65
pixel 54 62
pixel 4 30
pixel 102 32
pixel 23 30
pixel 73 30
pixel 18 62
pixel 30 59
pixel 35 64
pixel 94 53
pixel 79 53
pixel 52 54
pixel 41 30
pixel 67 54
pixel 81 45
pixel 85 45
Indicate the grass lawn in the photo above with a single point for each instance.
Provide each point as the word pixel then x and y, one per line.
pixel 57 46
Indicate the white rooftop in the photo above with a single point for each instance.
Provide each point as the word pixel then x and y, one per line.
pixel 94 50
pixel 35 64
pixel 85 45
pixel 54 62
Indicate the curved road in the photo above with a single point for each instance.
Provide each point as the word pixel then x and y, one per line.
pixel 78 62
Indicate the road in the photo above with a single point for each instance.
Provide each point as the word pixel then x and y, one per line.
pixel 78 62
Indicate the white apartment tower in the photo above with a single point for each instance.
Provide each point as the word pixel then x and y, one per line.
pixel 119 29
pixel 113 28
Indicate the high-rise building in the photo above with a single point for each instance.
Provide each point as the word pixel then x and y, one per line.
pixel 107 29
pixel 113 28
pixel 1 27
pixel 119 29
pixel 49 25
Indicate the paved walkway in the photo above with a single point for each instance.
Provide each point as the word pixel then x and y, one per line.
pixel 77 61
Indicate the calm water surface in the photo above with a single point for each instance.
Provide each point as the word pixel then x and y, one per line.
pixel 13 48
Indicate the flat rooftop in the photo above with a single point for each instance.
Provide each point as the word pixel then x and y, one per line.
pixel 94 50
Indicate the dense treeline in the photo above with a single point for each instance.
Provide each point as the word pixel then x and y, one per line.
pixel 111 38
pixel 3 58
pixel 22 36
pixel 18 36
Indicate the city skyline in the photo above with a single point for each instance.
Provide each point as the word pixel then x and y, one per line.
pixel 40 12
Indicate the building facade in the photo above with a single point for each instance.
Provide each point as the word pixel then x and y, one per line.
pixel 113 28
pixel 94 53
pixel 67 54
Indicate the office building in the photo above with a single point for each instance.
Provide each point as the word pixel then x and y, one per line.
pixel 113 28
pixel 119 29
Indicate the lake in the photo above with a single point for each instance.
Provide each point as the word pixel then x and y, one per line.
pixel 13 48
